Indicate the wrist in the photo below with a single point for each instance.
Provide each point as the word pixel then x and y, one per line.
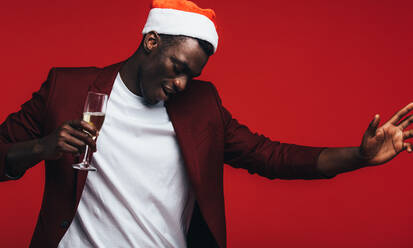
pixel 39 150
pixel 360 157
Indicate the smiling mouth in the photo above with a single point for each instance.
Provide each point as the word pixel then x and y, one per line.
pixel 168 91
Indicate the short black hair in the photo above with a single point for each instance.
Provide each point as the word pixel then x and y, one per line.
pixel 170 40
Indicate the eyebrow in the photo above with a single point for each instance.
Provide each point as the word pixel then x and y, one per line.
pixel 185 65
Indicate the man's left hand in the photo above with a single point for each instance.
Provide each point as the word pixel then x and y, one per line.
pixel 381 144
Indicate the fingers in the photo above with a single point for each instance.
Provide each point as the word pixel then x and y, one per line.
pixel 67 137
pixel 406 122
pixel 83 125
pixel 73 140
pixel 408 134
pixel 88 127
pixel 82 137
pixel 374 124
pixel 399 115
pixel 79 139
pixel 408 147
pixel 65 147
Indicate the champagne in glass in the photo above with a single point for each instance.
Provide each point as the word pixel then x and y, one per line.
pixel 94 114
pixel 94 118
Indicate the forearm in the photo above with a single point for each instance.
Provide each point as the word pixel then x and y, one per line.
pixel 333 161
pixel 23 156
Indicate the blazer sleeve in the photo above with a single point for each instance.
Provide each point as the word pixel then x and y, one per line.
pixel 26 124
pixel 258 154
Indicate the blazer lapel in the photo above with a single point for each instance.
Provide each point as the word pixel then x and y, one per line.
pixel 102 84
pixel 182 126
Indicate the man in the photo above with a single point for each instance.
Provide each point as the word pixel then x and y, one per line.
pixel 127 203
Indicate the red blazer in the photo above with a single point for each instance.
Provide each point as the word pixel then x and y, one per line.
pixel 207 135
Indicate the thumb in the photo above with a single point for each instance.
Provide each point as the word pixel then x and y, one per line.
pixel 408 146
pixel 374 124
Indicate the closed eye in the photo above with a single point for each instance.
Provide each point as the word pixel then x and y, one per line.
pixel 180 67
pixel 176 70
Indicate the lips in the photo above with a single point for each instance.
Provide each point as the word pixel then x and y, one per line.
pixel 167 91
pixel 165 94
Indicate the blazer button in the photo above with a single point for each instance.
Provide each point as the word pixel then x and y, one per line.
pixel 64 224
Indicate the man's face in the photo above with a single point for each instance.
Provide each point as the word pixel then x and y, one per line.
pixel 167 71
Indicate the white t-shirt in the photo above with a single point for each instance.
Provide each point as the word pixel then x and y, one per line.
pixel 140 195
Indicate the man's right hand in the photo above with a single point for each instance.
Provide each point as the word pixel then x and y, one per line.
pixel 68 138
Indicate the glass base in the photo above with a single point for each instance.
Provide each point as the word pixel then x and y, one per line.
pixel 84 167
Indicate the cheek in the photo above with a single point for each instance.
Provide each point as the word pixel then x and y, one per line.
pixel 163 69
pixel 149 76
pixel 156 74
pixel 150 89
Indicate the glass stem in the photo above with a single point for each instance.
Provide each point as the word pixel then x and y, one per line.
pixel 86 158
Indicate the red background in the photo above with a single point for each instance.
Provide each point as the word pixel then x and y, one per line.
pixel 306 72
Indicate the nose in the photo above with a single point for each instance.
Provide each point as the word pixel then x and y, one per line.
pixel 180 83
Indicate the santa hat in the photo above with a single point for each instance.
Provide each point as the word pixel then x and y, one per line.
pixel 182 17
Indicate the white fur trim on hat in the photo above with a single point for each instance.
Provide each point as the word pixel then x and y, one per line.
pixel 178 22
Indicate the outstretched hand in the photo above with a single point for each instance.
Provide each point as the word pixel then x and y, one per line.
pixel 381 144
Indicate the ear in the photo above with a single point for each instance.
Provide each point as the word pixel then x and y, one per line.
pixel 151 41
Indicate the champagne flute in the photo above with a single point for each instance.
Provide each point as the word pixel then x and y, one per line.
pixel 93 113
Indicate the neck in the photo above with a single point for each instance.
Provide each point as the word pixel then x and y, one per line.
pixel 129 73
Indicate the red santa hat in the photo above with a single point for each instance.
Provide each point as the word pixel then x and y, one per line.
pixel 182 17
